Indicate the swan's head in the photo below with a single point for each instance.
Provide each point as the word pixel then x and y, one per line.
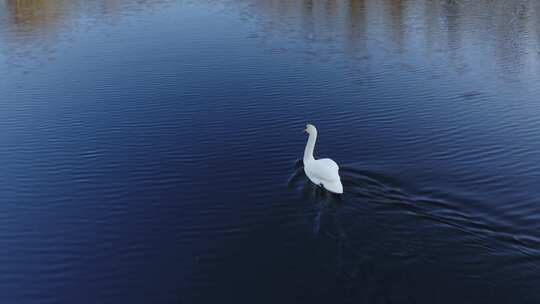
pixel 310 129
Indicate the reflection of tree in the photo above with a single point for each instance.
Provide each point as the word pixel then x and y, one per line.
pixel 511 36
pixel 396 18
pixel 535 25
pixel 431 9
pixel 452 14
pixel 357 22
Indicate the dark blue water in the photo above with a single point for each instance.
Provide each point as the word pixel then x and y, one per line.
pixel 150 151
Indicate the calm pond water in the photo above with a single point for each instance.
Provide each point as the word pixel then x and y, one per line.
pixel 150 151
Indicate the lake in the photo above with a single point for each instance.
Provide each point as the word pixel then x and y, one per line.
pixel 151 151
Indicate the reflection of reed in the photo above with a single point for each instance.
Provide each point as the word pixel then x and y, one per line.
pixel 507 30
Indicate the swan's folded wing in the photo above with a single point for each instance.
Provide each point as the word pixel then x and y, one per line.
pixel 325 169
pixel 329 163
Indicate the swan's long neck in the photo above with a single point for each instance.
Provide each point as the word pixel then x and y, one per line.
pixel 310 146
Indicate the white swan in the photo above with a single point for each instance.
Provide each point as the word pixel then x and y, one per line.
pixel 322 172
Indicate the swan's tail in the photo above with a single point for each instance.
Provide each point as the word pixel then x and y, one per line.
pixel 335 187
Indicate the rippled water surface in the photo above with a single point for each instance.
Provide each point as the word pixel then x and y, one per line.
pixel 150 151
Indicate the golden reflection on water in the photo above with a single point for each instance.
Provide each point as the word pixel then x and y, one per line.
pixel 46 15
pixel 35 14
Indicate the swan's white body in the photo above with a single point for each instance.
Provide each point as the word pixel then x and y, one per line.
pixel 322 172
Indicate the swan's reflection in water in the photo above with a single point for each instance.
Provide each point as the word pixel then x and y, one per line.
pixel 325 204
pixel 328 232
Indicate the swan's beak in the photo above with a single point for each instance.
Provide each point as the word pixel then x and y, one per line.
pixel 305 131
